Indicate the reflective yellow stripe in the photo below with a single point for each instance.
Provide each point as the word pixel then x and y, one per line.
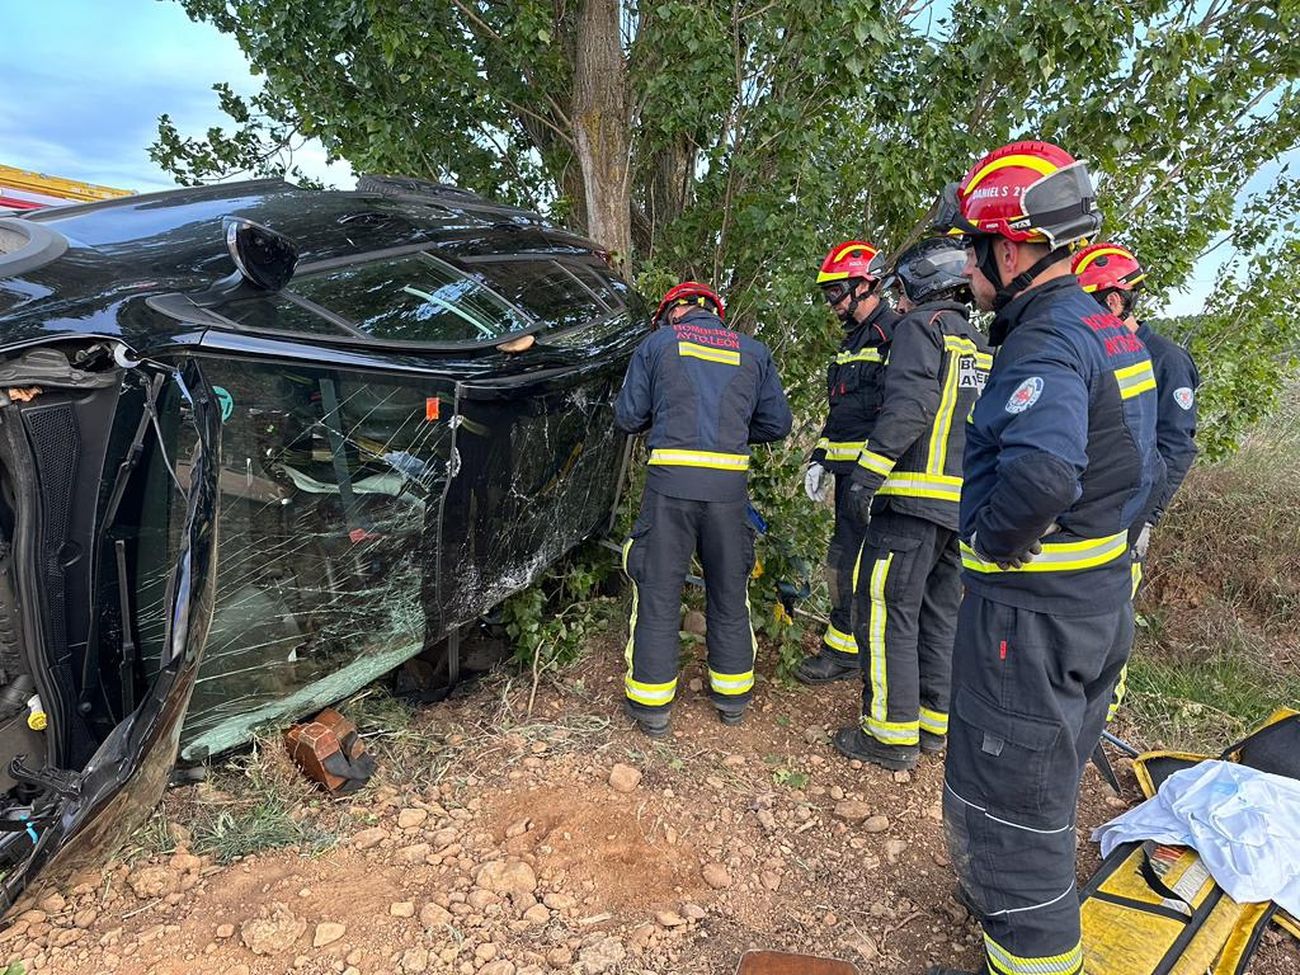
pixel 869 354
pixel 1041 166
pixel 1102 252
pixel 839 640
pixel 651 695
pixel 731 683
pixel 1137 578
pixel 728 357
pixel 942 425
pixel 822 444
pixel 910 484
pixel 842 450
pixel 1059 556
pixel 631 624
pixel 893 732
pixel 935 722
pixel 876 641
pixel 1005 963
pixel 876 463
pixel 857 563
pixel 699 458
pixel 1117 696
pixel 1135 379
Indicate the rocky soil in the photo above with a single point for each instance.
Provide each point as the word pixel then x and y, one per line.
pixel 495 842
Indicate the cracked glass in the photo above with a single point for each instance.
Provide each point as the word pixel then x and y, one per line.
pixel 364 515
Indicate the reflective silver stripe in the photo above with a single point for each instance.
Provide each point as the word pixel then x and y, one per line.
pixel 842 450
pixel 1066 963
pixel 699 458
pixel 1057 556
pixel 908 484
pixel 839 640
pixel 876 463
pixel 729 357
pixel 1134 379
pixel 731 683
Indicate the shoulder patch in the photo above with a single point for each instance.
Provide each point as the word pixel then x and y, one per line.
pixel 1184 397
pixel 1026 395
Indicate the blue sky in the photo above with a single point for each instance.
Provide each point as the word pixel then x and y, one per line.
pixel 82 83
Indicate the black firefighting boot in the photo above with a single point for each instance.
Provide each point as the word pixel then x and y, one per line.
pixel 856 743
pixel 823 669
pixel 731 716
pixel 651 723
pixel 941 970
pixel 931 743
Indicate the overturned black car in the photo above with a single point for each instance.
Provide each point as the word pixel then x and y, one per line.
pixel 258 446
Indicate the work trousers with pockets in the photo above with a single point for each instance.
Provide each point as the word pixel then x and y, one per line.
pixel 841 559
pixel 656 558
pixel 907 589
pixel 1030 693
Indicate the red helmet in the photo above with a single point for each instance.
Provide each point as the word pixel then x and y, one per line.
pixel 1104 267
pixel 852 259
pixel 691 293
pixel 1033 192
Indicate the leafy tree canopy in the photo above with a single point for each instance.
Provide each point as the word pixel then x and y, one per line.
pixel 736 141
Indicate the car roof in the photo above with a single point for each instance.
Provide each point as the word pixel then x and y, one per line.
pixel 173 241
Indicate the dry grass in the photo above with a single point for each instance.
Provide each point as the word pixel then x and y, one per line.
pixel 1220 648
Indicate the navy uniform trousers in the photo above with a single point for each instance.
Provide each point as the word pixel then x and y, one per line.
pixel 908 587
pixel 656 558
pixel 841 564
pixel 1031 691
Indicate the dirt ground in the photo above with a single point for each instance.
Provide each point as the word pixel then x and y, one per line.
pixel 495 842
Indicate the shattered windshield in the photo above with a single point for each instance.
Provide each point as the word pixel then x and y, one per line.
pixel 421 299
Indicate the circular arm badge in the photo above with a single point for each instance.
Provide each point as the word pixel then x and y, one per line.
pixel 1026 395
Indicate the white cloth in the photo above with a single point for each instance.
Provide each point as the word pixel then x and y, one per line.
pixel 1245 824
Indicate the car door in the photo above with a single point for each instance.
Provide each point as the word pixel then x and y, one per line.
pixel 106 612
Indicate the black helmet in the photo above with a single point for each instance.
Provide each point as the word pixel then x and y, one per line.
pixel 932 269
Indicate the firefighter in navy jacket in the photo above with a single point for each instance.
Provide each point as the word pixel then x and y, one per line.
pixel 1060 461
pixel 907 483
pixel 702 393
pixel 1112 275
pixel 850 282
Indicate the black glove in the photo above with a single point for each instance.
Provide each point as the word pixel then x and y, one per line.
pixel 858 505
pixel 1016 561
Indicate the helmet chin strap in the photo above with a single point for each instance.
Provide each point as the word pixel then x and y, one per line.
pixel 849 318
pixel 987 263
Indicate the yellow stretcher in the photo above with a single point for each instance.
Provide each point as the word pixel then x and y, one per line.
pixel 1153 909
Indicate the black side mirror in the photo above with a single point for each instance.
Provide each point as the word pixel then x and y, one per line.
pixel 265 259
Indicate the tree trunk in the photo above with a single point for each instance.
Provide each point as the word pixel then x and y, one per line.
pixel 600 126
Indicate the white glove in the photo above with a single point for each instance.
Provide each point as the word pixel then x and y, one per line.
pixel 816 482
pixel 1143 540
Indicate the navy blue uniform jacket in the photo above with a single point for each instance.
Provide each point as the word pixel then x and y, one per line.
pixel 704 393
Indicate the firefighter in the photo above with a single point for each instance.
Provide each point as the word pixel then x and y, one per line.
pixel 906 483
pixel 1112 275
pixel 850 279
pixel 1060 461
pixel 704 393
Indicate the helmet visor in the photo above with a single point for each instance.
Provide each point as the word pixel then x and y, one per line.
pixel 947 213
pixel 1063 205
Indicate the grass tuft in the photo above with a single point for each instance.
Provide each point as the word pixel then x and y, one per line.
pixel 1221 646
